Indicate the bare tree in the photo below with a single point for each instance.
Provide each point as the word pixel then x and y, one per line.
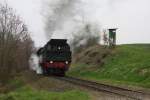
pixel 105 38
pixel 15 42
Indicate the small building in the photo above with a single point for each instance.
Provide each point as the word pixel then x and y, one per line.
pixel 112 36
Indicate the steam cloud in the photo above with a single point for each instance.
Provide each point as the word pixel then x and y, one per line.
pixel 66 18
pixel 34 64
pixel 60 15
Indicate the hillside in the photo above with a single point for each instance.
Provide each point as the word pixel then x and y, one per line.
pixel 124 65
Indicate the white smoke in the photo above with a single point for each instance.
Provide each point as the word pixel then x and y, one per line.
pixel 66 19
pixel 60 16
pixel 34 64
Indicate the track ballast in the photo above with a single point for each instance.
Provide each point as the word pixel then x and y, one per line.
pixel 136 95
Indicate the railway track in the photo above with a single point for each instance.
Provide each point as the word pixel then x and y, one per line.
pixel 132 94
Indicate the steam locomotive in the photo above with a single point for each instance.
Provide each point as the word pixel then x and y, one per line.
pixel 55 57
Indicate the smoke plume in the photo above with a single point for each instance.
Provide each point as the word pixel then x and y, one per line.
pixel 34 64
pixel 66 18
pixel 59 16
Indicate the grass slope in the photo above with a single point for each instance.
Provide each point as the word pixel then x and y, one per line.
pixel 128 64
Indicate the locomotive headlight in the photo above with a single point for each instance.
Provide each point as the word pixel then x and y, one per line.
pixel 51 62
pixel 67 62
pixel 59 48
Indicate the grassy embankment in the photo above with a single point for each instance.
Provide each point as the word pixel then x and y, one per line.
pixel 27 93
pixel 19 90
pixel 126 65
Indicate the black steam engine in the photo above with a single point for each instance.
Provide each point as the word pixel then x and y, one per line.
pixel 55 57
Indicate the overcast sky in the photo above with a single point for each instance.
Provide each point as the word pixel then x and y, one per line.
pixel 132 17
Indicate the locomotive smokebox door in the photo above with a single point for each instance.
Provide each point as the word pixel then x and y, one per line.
pixel 112 36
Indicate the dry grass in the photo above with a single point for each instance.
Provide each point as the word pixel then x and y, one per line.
pixel 94 55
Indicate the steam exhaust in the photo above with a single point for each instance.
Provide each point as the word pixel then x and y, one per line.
pixel 34 64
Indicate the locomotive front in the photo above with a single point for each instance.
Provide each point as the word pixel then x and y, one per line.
pixel 55 57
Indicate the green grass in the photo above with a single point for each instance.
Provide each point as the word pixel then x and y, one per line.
pixel 128 64
pixel 17 89
pixel 27 93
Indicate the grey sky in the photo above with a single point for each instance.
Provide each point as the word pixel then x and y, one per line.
pixel 132 17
